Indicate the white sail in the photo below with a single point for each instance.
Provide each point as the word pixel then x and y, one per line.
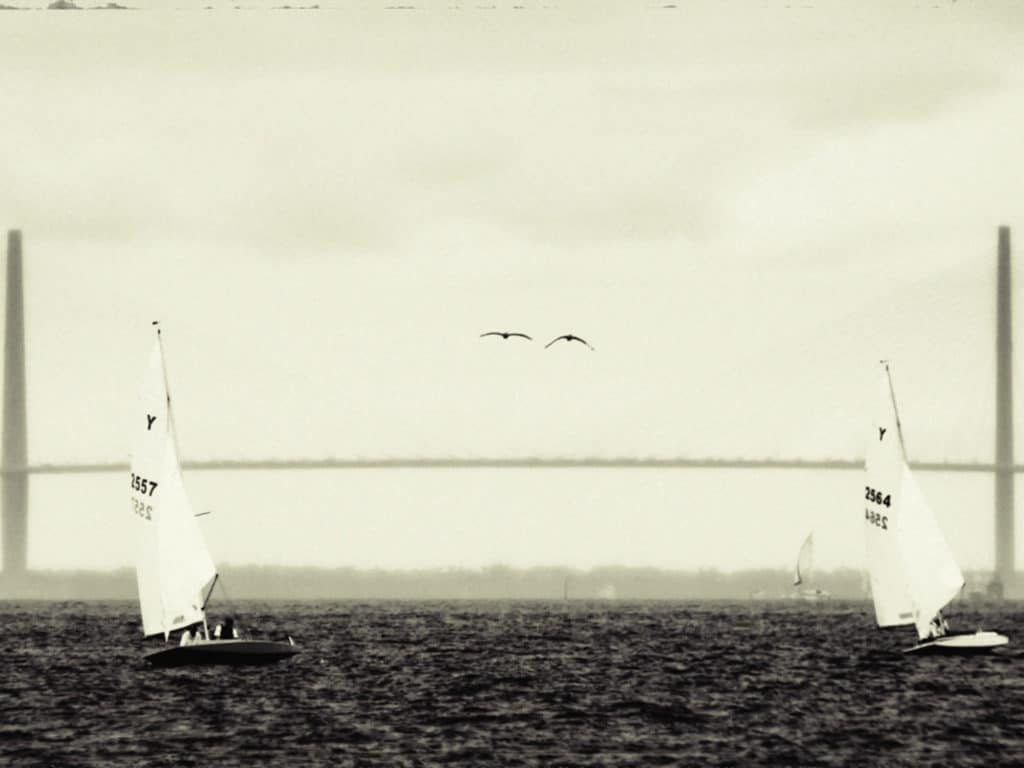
pixel 913 572
pixel 933 576
pixel 173 563
pixel 883 475
pixel 804 561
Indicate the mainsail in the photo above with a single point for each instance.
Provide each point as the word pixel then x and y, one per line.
pixel 913 572
pixel 173 562
pixel 804 561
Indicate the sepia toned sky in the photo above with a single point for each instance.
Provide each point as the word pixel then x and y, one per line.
pixel 743 208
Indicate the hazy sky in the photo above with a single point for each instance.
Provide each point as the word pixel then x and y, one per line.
pixel 742 207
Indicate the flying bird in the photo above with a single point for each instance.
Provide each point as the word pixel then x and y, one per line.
pixel 506 334
pixel 568 337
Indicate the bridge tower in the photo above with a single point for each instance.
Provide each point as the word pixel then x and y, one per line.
pixel 1003 578
pixel 14 497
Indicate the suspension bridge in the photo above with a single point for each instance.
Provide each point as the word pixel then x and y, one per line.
pixel 15 469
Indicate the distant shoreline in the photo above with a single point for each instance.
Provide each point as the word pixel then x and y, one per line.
pixel 491 583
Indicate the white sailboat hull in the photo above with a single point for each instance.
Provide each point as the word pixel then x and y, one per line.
pixel 814 595
pixel 979 642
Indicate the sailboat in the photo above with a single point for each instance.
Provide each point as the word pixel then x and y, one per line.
pixel 802 574
pixel 174 565
pixel 913 572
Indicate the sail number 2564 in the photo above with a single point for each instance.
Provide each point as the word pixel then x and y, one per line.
pixel 882 521
pixel 877 496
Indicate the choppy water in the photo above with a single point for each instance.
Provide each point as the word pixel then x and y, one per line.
pixel 496 683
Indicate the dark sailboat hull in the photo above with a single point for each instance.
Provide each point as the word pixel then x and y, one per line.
pixel 223 652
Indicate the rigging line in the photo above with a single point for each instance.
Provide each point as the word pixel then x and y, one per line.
pixel 896 412
pixel 167 392
pixel 213 584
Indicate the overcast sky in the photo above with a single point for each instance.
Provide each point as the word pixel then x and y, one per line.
pixel 742 208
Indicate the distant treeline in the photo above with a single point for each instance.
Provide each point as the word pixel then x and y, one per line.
pixel 493 583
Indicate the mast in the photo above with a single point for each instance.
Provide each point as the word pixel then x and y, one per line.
pixel 895 410
pixel 167 384
pixel 174 437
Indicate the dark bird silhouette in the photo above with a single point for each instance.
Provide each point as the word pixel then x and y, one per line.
pixel 568 337
pixel 506 334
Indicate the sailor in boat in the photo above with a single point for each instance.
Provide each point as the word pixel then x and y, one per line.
pixel 191 635
pixel 227 631
pixel 938 627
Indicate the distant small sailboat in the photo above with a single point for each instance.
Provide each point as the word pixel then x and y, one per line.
pixel 174 565
pixel 607 592
pixel 804 569
pixel 912 570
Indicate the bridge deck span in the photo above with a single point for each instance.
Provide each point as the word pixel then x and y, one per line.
pixel 509 463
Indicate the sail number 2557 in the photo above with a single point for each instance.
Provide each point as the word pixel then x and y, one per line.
pixel 142 485
pixel 146 488
pixel 143 510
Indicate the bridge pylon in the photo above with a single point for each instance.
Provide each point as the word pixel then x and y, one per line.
pixel 14 495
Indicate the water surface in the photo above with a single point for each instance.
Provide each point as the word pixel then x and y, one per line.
pixel 513 683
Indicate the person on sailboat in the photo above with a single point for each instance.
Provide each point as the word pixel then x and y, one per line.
pixel 191 635
pixel 227 631
pixel 938 626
